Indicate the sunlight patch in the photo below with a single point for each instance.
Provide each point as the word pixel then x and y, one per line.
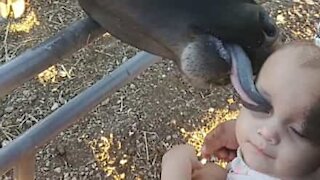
pixel 26 24
pixel 102 150
pixel 53 74
pixel 48 76
pixel 214 117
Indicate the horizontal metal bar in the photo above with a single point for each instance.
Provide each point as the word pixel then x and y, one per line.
pixel 67 114
pixel 48 53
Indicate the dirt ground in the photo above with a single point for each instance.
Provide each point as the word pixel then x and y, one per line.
pixel 126 135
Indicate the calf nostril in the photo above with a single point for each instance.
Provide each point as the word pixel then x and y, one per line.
pixel 267 24
pixel 271 31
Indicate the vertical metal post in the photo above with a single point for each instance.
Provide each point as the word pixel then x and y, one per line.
pixel 26 167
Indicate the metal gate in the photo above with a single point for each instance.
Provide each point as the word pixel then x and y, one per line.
pixel 20 153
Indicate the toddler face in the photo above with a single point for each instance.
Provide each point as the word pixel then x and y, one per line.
pixel 274 143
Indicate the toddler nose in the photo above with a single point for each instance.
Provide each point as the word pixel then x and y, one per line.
pixel 270 135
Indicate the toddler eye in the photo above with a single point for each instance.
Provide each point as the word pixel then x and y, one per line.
pixel 297 132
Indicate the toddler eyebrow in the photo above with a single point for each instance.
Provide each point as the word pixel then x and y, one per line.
pixel 253 107
pixel 259 107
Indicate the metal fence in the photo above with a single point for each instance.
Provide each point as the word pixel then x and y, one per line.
pixel 20 153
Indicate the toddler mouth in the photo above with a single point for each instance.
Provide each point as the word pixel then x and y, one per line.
pixel 261 151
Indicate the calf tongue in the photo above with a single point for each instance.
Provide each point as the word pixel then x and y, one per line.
pixel 242 80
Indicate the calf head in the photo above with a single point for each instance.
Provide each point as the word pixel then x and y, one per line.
pixel 192 33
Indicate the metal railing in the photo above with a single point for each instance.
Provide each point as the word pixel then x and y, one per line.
pixel 20 153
